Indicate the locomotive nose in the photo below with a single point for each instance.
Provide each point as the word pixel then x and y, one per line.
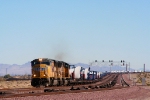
pixel 39 71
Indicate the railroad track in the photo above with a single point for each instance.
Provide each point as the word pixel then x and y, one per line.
pixel 124 83
pixel 106 83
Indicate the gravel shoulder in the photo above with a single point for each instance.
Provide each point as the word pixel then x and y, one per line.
pixel 131 93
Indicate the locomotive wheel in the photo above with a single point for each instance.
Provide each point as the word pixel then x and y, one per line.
pixel 46 84
pixel 58 82
pixel 63 82
pixel 68 82
pixel 40 82
pixel 51 82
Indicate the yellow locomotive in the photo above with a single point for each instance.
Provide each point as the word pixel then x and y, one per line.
pixel 49 72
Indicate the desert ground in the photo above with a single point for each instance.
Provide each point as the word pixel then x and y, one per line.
pixel 136 91
pixel 135 79
pixel 15 84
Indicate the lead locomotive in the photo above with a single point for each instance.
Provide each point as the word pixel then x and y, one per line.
pixel 49 72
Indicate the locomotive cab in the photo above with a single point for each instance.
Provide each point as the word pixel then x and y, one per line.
pixel 39 72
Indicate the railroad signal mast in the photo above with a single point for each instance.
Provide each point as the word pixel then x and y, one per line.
pixel 111 63
pixel 108 63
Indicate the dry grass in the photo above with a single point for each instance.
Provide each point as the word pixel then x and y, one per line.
pixel 139 77
pixel 15 84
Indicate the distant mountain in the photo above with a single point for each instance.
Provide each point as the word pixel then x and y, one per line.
pixel 15 69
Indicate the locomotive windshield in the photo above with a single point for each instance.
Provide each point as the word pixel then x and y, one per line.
pixel 39 62
pixel 39 69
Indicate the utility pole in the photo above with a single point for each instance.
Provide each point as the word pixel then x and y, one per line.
pixel 129 72
pixel 144 68
pixel 110 68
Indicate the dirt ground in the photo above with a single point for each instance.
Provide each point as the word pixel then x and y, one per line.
pixel 137 78
pixel 15 84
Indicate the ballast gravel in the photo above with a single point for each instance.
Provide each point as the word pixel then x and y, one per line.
pixel 131 93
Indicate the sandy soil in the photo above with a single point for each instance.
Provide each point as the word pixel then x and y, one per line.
pixel 15 84
pixel 135 77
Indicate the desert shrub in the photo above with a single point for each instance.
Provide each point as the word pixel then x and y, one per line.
pixel 138 75
pixel 7 76
pixel 139 80
pixel 148 83
pixel 145 75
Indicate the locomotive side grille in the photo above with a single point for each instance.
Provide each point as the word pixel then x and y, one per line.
pixel 66 72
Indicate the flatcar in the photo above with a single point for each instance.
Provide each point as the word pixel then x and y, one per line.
pixel 49 72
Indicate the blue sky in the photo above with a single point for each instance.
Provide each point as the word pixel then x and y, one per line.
pixel 75 31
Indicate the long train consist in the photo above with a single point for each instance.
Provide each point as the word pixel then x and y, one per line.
pixel 49 72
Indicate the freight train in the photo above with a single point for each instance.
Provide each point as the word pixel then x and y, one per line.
pixel 50 72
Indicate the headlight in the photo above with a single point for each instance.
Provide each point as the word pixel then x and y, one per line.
pixel 34 75
pixel 44 75
pixel 40 59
